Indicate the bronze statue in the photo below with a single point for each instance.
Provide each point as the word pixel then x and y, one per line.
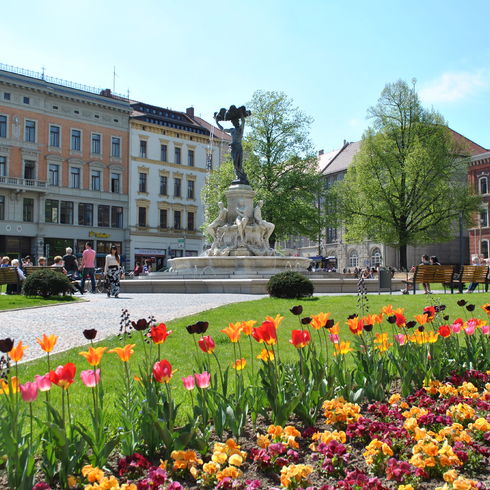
pixel 237 117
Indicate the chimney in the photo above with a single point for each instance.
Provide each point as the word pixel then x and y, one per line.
pixel 190 112
pixel 321 152
pixel 345 143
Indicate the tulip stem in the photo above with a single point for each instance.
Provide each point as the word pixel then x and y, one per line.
pixel 220 374
pixel 30 417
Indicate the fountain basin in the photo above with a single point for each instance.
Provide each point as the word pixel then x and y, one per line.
pixel 237 265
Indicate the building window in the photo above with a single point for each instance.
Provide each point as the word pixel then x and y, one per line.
pixel 3 166
pixel 75 174
pixel 376 259
pixel 483 185
pixel 177 186
pixel 484 248
pixel 353 259
pixel 51 211
pixel 190 221
pixel 53 174
pixel 103 213
pixel 116 217
pixel 28 210
pixel 163 185
pixel 30 131
pixel 3 126
pixel 190 189
pixel 143 182
pixel 116 183
pixel 142 216
pixel 163 153
pixel 142 149
pixel 6 96
pixel 85 214
pixel 96 144
pixel 178 155
pixel 54 136
pixel 116 147
pixel 209 161
pixel 177 224
pixel 484 218
pixel 163 218
pixel 2 207
pixel 29 170
pixel 96 177
pixel 26 100
pixel 76 140
pixel 66 212
pixel 331 235
pixel 190 158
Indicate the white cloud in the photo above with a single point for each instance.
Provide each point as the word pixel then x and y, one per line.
pixel 453 86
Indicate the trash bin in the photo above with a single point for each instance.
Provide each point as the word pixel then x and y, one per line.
pixel 384 280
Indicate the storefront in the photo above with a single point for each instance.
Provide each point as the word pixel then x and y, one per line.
pixel 156 258
pixel 16 247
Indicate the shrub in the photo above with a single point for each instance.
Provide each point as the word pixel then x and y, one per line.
pixel 46 283
pixel 289 285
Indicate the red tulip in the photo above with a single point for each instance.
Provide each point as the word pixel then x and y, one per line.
pixel 444 331
pixel 300 338
pixel 265 333
pixel 162 371
pixel 207 344
pixel 63 376
pixel 159 333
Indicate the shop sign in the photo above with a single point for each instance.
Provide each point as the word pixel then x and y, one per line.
pixel 181 243
pixel 96 234
pixel 149 251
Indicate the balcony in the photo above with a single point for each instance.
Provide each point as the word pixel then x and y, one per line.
pixel 23 184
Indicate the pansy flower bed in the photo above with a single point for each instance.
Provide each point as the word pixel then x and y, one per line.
pixel 401 403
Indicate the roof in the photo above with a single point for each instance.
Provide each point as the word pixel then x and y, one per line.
pixel 471 146
pixel 324 159
pixel 213 129
pixel 343 158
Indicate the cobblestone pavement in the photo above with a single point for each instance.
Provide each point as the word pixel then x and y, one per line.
pixel 69 320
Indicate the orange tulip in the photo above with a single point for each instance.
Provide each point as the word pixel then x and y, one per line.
pixel 47 343
pixel 5 388
pixel 342 348
pixel 266 355
pixel 319 321
pixel 17 352
pixel 382 342
pixel 233 330
pixel 239 364
pixel 421 319
pixel 355 325
pixel 373 319
pixel 124 353
pixel 247 327
pixel 94 355
pixel 387 310
pixel 276 321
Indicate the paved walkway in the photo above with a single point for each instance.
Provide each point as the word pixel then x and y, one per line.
pixel 69 320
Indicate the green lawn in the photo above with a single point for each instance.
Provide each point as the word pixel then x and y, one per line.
pixel 10 302
pixel 180 351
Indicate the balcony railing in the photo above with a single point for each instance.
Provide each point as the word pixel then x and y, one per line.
pixel 23 184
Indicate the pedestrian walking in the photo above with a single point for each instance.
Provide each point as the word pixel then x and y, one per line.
pixel 88 266
pixel 112 271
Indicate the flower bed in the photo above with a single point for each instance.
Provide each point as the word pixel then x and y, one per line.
pixel 348 431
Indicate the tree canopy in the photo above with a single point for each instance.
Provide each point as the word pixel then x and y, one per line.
pixel 408 182
pixel 280 165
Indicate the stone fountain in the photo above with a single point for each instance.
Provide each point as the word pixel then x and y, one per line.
pixel 240 235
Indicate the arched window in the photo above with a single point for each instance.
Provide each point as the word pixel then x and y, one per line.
pixel 353 259
pixel 483 185
pixel 376 259
pixel 484 248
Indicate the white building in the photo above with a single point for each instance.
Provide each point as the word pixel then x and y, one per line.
pixel 171 154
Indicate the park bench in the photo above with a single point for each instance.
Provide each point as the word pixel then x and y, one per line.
pixel 434 274
pixel 29 269
pixel 9 276
pixel 473 273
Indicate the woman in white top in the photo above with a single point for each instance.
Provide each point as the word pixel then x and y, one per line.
pixel 112 272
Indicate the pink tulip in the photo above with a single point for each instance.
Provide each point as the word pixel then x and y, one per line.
pixel 29 391
pixel 189 382
pixel 400 338
pixel 89 378
pixel 334 338
pixel 203 380
pixel 457 325
pixel 470 327
pixel 485 330
pixel 43 382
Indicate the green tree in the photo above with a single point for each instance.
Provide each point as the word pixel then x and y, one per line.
pixel 280 165
pixel 408 183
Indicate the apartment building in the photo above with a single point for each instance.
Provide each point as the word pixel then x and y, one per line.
pixel 171 154
pixel 63 166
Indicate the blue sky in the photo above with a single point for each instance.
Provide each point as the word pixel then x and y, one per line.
pixel 332 57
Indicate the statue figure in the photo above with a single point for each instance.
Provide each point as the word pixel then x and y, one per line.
pixel 237 118
pixel 219 221
pixel 241 220
pixel 267 228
